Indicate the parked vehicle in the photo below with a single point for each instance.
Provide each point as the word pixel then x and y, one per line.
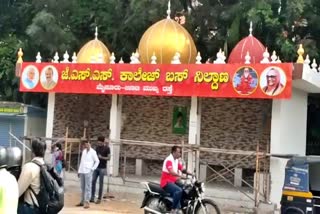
pixel 157 201
pixel 301 189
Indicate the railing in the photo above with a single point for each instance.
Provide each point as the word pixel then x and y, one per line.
pixel 260 157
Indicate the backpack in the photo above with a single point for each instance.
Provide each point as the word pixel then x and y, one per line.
pixel 51 195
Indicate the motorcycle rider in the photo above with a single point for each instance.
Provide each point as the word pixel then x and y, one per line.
pixel 171 172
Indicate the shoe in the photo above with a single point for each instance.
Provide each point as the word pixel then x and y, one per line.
pixel 179 211
pixel 98 201
pixel 86 205
pixel 79 205
pixel 92 201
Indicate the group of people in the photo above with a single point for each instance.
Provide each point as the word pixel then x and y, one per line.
pixel 25 186
pixel 19 192
pixel 92 166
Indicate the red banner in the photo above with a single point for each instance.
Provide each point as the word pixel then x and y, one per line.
pixel 205 80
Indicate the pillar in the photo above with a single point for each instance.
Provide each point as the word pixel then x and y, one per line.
pixel 238 177
pixel 288 136
pixel 115 130
pixel 194 133
pixel 139 167
pixel 49 125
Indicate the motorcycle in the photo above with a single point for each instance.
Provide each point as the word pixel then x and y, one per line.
pixel 157 201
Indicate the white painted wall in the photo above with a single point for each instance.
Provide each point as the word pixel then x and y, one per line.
pixel 34 127
pixel 288 136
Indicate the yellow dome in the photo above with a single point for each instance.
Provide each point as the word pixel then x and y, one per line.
pixel 92 51
pixel 165 38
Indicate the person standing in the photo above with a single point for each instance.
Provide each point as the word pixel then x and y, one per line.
pixel 103 152
pixel 29 180
pixel 9 192
pixel 89 162
pixel 58 158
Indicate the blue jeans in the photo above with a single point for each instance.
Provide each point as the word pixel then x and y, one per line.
pixel 175 192
pixel 24 208
pixel 97 173
pixel 86 181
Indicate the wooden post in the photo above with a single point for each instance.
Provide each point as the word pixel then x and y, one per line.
pixel 70 154
pixel 257 189
pixel 66 143
pixel 79 155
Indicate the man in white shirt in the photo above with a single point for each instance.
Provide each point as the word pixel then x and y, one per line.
pixel 89 162
pixel 9 192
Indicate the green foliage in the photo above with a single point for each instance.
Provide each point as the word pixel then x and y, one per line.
pixel 8 81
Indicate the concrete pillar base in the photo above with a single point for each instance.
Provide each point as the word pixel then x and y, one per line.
pixel 264 189
pixel 139 167
pixel 203 172
pixel 238 177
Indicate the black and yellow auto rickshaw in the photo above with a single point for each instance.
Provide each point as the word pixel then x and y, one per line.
pixel 301 189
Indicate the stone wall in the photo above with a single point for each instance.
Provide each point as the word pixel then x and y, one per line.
pixel 72 109
pixel 236 124
pixel 150 119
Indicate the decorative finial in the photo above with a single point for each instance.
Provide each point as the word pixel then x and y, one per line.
pixel 20 54
pixel 278 60
pixel 247 58
pixel 314 65
pixel 121 61
pixel 74 57
pixel 266 56
pixel 38 58
pixel 112 58
pixel 307 60
pixel 169 10
pixel 274 57
pixel 96 33
pixel 56 58
pixel 300 54
pixel 153 59
pixel 198 58
pixel 176 59
pixel 65 57
pixel 250 29
pixel 220 58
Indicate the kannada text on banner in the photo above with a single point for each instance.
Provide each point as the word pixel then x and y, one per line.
pixel 206 80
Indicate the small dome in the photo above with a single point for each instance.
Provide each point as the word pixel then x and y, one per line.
pixel 92 51
pixel 164 39
pixel 249 44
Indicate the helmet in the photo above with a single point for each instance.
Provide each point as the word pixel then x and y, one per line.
pixel 3 157
pixel 14 157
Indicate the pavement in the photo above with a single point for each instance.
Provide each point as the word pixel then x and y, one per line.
pixel 125 197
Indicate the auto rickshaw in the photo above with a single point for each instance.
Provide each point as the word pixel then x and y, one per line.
pixel 301 189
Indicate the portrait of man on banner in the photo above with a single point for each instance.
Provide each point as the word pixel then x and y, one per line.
pixel 179 120
pixel 273 81
pixel 30 77
pixel 49 77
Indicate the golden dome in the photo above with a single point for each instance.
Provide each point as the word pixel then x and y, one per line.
pixel 164 39
pixel 93 51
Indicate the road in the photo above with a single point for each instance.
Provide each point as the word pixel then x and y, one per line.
pixel 123 203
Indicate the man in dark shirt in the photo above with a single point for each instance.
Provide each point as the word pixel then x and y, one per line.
pixel 103 152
